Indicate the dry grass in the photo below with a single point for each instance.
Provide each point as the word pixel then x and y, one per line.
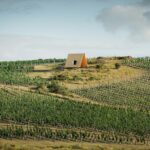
pixel 45 67
pixel 43 71
pixel 85 77
pixel 44 75
pixel 63 145
pixel 92 77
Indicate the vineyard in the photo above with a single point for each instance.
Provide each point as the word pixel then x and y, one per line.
pixel 27 108
pixel 25 66
pixel 14 73
pixel 42 132
pixel 134 93
pixel 120 115
pixel 139 62
pixel 131 93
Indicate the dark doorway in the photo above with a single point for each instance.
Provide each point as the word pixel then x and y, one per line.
pixel 75 62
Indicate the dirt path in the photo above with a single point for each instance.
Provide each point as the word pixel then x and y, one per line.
pixel 29 144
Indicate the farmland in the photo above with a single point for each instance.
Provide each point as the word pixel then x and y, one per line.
pixel 134 93
pixel 37 109
pixel 139 62
pixel 41 100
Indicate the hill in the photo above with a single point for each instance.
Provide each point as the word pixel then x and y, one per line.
pixel 107 102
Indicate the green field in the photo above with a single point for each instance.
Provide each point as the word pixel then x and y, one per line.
pixel 46 108
pixel 134 93
pixel 139 63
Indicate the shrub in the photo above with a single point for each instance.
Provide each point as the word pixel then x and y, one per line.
pixel 92 61
pixel 40 87
pixel 100 66
pixel 97 66
pixel 60 77
pixel 76 77
pixel 117 65
pixel 91 78
pixel 55 87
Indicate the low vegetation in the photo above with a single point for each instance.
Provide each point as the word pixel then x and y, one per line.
pixel 117 65
pixel 64 145
pixel 55 87
pixel 15 72
pixel 53 105
pixel 139 62
pixel 34 108
pixel 133 93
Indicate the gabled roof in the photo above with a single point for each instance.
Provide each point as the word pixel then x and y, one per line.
pixel 75 57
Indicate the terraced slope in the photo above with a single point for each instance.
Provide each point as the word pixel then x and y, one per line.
pixel 139 63
pixel 134 93
pixel 131 93
pixel 124 116
pixel 27 108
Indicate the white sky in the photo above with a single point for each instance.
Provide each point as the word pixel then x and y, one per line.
pixel 32 29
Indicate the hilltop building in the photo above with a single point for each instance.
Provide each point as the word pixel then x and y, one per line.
pixel 78 60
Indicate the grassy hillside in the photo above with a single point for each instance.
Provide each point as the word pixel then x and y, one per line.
pixel 132 93
pixel 34 108
pixel 106 102
pixel 98 72
pixel 139 63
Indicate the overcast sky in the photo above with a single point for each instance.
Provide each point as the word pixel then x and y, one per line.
pixel 32 29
